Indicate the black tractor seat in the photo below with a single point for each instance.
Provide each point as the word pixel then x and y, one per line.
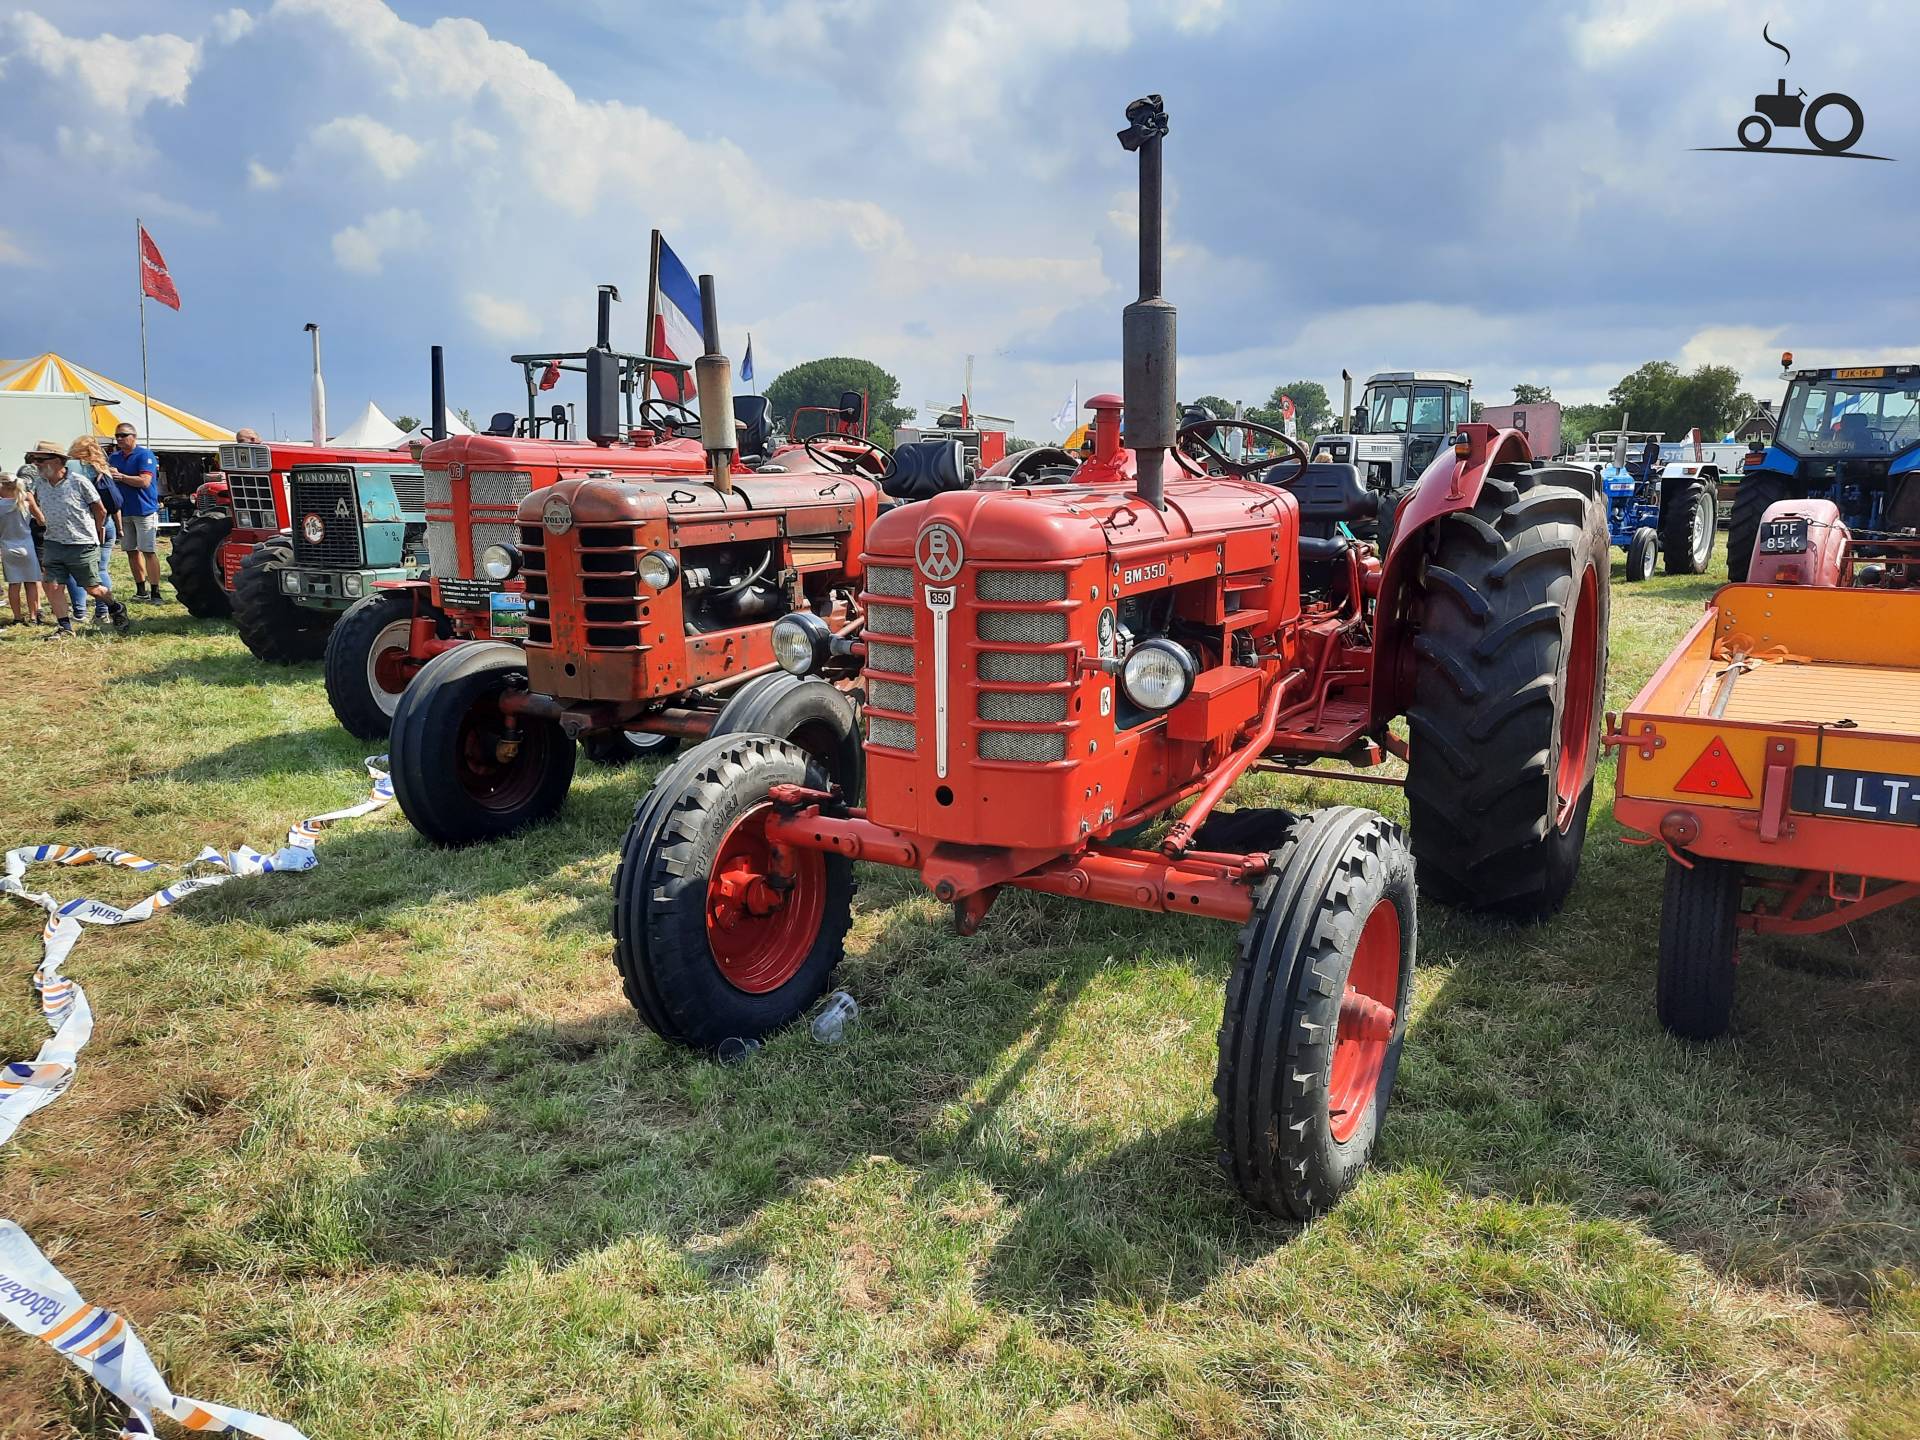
pixel 923 469
pixel 1330 494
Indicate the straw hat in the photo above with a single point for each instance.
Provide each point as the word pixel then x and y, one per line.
pixel 52 449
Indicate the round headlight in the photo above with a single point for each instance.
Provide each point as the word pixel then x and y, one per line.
pixel 801 642
pixel 658 569
pixel 1157 675
pixel 500 562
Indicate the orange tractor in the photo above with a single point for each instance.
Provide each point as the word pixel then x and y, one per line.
pixel 1052 669
pixel 638 579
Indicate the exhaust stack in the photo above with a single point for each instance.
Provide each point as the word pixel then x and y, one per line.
pixel 437 362
pixel 713 376
pixel 1346 402
pixel 1147 349
pixel 603 377
pixel 318 390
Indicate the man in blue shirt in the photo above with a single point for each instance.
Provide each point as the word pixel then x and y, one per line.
pixel 137 482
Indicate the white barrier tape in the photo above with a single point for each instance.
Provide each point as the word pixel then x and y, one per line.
pixel 34 1296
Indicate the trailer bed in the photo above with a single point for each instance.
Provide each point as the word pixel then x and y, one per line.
pixel 1872 697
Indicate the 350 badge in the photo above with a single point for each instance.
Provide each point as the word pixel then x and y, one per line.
pixel 1140 574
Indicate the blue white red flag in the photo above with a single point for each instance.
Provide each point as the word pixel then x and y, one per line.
pixel 676 324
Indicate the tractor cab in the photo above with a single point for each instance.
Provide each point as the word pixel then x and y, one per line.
pixel 1398 428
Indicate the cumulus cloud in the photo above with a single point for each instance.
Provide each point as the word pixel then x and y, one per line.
pixel 502 319
pixel 259 177
pixel 390 153
pixel 120 78
pixel 231 25
pixel 363 248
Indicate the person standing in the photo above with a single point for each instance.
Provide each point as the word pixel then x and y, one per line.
pixel 86 452
pixel 76 521
pixel 19 557
pixel 137 478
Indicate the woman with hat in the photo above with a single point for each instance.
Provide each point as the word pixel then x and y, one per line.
pixel 76 523
pixel 18 560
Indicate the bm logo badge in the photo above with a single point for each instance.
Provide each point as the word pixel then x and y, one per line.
pixel 939 552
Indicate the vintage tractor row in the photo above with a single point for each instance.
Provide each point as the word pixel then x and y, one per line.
pixel 1051 669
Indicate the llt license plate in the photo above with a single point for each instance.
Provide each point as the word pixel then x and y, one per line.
pixel 1784 537
pixel 508 614
pixel 1856 794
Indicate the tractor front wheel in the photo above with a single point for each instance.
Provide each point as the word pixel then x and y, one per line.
pixel 1698 926
pixel 461 771
pixel 1316 1012
pixel 809 711
pixel 193 565
pixel 1642 549
pixel 368 664
pixel 1688 519
pixel 1510 667
pixel 1750 501
pixel 719 931
pixel 274 627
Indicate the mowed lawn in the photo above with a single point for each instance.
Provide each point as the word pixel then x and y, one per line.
pixel 381 1150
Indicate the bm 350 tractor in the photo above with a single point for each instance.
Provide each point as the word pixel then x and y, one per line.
pixel 1049 669
pixel 1850 435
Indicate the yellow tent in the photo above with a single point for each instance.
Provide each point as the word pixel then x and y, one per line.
pixel 50 374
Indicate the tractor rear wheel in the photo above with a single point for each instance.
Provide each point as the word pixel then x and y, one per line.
pixel 459 772
pixel 1750 501
pixel 614 748
pixel 1510 667
pixel 1689 517
pixel 1316 1012
pixel 193 565
pixel 809 711
pixel 367 668
pixel 275 628
pixel 1642 550
pixel 720 934
pixel 1698 915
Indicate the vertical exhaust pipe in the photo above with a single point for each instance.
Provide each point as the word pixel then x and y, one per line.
pixel 603 377
pixel 1148 384
pixel 437 362
pixel 318 390
pixel 713 376
pixel 1346 402
pixel 603 336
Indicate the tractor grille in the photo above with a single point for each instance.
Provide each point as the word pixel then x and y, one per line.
pixel 890 620
pixel 892 659
pixel 483 503
pixel 1023 707
pixel 436 487
pixel 1027 706
pixel 330 496
pixel 1021 587
pixel 1014 627
pixel 504 488
pixel 1036 747
pixel 489 533
pixel 440 550
pixel 894 734
pixel 606 558
pixel 410 491
pixel 889 695
pixel 252 500
pixel 1010 667
pixel 894 581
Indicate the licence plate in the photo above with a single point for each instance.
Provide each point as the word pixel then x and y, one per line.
pixel 508 616
pixel 1784 537
pixel 1856 794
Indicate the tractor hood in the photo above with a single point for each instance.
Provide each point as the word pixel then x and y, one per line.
pixel 633 500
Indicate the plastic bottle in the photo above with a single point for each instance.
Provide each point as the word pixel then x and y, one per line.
pixel 830 1025
pixel 732 1050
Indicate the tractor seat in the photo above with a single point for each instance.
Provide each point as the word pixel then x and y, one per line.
pixel 925 468
pixel 1331 494
pixel 753 423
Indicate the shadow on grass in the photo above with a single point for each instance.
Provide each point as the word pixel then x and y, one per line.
pixel 230 670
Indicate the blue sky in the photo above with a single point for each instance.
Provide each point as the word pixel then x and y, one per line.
pixel 1503 188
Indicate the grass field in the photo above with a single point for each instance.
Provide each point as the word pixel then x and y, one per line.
pixel 381 1150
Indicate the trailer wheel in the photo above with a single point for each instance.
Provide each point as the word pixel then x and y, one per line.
pixel 456 771
pixel 193 565
pixel 273 627
pixel 718 934
pixel 367 668
pixel 809 711
pixel 622 747
pixel 1698 912
pixel 1688 519
pixel 1510 667
pixel 1751 497
pixel 1641 550
pixel 1316 1012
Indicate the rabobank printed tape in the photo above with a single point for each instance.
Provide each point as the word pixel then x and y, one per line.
pixel 34 1296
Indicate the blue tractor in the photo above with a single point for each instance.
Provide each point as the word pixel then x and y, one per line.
pixel 1656 506
pixel 1850 435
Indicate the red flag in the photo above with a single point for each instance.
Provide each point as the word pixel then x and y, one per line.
pixel 550 376
pixel 155 282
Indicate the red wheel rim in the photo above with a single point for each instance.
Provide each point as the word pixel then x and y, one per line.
pixel 392 669
pixel 1576 706
pixel 1365 1026
pixel 763 911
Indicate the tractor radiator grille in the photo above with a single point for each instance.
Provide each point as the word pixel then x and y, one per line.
pixel 895 581
pixel 498 487
pixel 894 734
pixel 890 620
pixel 1032 746
pixel 492 533
pixel 893 659
pixel 442 555
pixel 410 491
pixel 1008 667
pixel 1017 627
pixel 328 498
pixel 608 584
pixel 252 499
pixel 1023 587
pixel 436 488
pixel 889 695
pixel 1025 707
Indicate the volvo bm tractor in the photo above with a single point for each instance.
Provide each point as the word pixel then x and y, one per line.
pixel 1064 681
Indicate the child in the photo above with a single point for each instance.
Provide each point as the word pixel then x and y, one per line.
pixel 21 565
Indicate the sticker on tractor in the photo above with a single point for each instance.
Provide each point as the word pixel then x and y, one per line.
pixel 507 616
pixel 1856 794
pixel 314 528
pixel 1714 773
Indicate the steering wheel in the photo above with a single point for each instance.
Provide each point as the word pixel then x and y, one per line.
pixel 849 464
pixel 1028 463
pixel 647 406
pixel 1200 431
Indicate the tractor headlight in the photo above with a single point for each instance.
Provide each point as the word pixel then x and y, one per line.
pixel 1157 675
pixel 352 586
pixel 290 582
pixel 500 562
pixel 801 642
pixel 658 569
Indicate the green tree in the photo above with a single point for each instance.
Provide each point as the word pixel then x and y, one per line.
pixel 821 382
pixel 1524 394
pixel 1312 411
pixel 407 424
pixel 1659 396
pixel 1221 407
pixel 1577 422
pixel 1015 444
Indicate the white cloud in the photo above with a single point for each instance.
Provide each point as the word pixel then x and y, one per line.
pixel 120 78
pixel 363 248
pixel 389 152
pixel 259 177
pixel 502 319
pixel 10 251
pixel 231 25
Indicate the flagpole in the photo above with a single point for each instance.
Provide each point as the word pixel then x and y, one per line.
pixel 140 283
pixel 653 307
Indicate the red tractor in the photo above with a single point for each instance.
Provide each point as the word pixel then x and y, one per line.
pixel 650 572
pixel 1052 669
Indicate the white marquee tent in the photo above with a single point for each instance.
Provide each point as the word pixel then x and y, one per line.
pixel 372 431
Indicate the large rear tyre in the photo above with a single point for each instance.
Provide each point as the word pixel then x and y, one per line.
pixel 458 772
pixel 719 934
pixel 1316 1012
pixel 812 713
pixel 1510 665
pixel 1689 516
pixel 193 565
pixel 1698 915
pixel 1750 501
pixel 273 627
pixel 368 665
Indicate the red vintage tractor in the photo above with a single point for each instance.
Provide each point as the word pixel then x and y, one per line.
pixel 651 572
pixel 1052 669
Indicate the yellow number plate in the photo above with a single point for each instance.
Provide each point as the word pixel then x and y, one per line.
pixel 1865 372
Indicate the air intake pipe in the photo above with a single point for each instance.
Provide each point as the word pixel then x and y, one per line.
pixel 437 364
pixel 1148 384
pixel 713 376
pixel 603 377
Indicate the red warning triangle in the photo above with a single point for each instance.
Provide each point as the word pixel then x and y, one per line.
pixel 1714 773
